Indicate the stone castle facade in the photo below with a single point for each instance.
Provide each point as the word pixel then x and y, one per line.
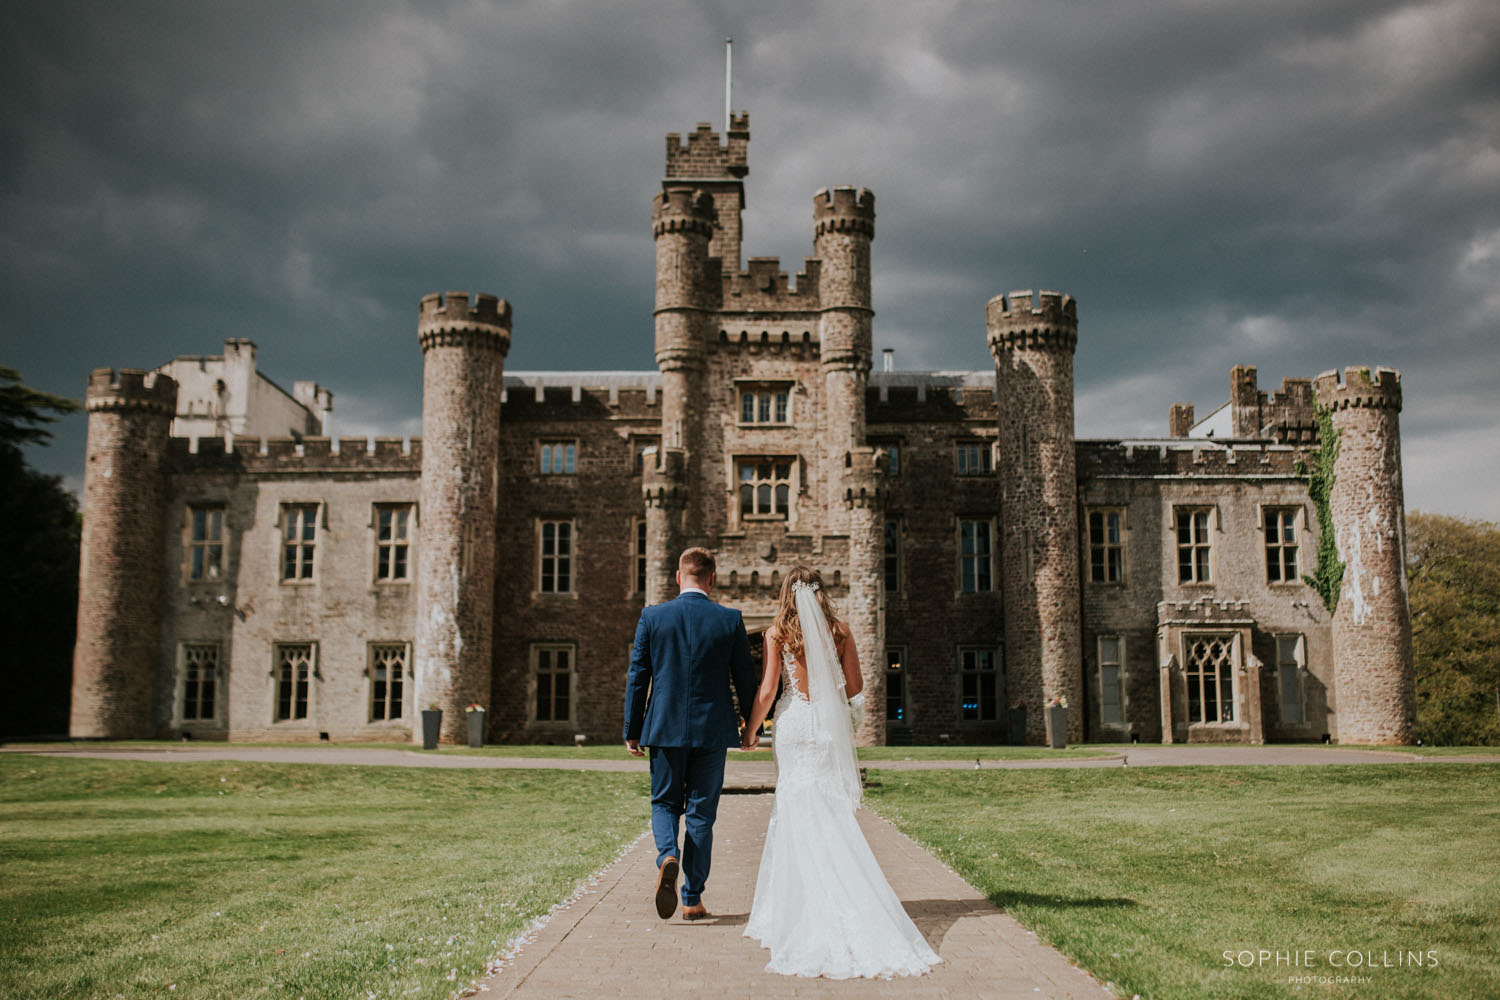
pixel 252 588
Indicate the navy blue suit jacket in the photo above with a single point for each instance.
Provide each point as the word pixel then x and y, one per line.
pixel 687 653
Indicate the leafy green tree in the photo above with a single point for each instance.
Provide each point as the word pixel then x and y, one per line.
pixel 1453 570
pixel 39 532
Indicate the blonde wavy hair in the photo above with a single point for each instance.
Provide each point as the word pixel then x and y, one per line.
pixel 786 628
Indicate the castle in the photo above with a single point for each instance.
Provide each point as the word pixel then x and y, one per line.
pixel 247 587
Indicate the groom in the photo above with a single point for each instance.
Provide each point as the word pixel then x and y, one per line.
pixel 686 654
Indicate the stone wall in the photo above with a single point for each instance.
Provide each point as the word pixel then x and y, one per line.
pixel 602 500
pixel 250 609
pixel 1149 481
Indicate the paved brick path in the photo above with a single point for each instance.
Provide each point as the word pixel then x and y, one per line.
pixel 610 943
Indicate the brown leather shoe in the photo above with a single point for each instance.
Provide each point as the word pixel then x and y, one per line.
pixel 666 887
pixel 695 912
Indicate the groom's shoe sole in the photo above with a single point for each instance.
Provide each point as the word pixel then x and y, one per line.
pixel 666 888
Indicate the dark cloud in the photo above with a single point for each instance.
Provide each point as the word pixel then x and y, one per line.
pixel 1296 186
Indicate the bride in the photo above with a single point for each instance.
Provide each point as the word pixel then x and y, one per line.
pixel 822 905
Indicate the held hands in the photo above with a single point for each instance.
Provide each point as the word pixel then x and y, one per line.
pixel 749 738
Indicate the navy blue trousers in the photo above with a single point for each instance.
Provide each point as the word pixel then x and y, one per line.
pixel 685 784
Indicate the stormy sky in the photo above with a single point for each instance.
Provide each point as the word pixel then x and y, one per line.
pixel 1292 185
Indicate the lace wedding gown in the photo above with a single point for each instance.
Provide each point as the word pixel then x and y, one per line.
pixel 822 905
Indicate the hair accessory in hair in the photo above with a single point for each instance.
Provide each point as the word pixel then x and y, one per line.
pixel 804 585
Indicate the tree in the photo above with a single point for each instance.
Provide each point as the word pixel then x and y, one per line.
pixel 1453 571
pixel 39 532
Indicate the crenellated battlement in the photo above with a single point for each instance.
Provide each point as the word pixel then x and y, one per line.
pixel 131 389
pixel 864 478
pixel 1187 458
pixel 1023 321
pixel 844 210
pixel 682 210
pixel 764 285
pixel 1359 388
pixel 288 456
pixel 664 478
pixel 703 157
pixel 448 320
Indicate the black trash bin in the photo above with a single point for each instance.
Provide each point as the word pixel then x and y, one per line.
pixel 432 726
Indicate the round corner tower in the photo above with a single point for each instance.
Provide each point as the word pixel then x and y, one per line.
pixel 682 222
pixel 1032 340
pixel 1372 655
pixel 844 227
pixel 463 353
pixel 121 557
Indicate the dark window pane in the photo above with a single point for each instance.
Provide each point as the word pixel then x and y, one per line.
pixel 544 697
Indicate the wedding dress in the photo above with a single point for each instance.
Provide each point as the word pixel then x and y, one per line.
pixel 822 905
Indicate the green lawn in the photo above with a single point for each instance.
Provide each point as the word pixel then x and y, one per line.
pixel 1147 876
pixel 230 879
pixel 611 751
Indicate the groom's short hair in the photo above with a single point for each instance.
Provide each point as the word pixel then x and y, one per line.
pixel 697 563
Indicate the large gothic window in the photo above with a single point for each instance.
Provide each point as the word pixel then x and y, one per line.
pixel 387 679
pixel 1210 678
pixel 293 672
pixel 200 675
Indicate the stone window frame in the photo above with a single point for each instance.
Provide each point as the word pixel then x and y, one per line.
pixel 406 679
pixel 407 543
pixel 1236 662
pixel 1105 546
pixel 970 450
pixel 1205 542
pixel 180 696
pixel 771 397
pixel 312 513
pixel 1299 525
pixel 309 716
pixel 640 556
pixel 640 446
pixel 791 483
pixel 541 556
pixel 1298 669
pixel 533 686
pixel 965 671
pixel 193 545
pixel 958 540
pixel 546 456
pixel 1119 664
pixel 893 564
pixel 901 717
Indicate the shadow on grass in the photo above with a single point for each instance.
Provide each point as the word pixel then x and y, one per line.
pixel 1007 900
